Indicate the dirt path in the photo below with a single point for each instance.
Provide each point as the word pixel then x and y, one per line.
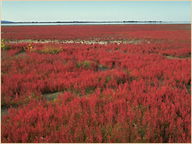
pixel 174 57
pixel 51 96
pixel 4 110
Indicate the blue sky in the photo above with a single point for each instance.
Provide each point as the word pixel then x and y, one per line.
pixel 95 10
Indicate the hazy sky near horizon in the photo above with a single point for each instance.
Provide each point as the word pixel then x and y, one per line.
pixel 28 11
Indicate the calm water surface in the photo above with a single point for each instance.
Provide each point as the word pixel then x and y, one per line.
pixel 125 23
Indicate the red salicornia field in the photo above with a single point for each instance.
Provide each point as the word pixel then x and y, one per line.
pixel 96 83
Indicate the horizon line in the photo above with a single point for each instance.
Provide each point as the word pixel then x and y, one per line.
pixel 98 21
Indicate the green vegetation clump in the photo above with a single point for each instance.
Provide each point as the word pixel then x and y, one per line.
pixel 5 46
pixel 83 64
pixel 87 64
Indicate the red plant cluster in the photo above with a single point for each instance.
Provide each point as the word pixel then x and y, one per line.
pixel 136 112
pixel 108 93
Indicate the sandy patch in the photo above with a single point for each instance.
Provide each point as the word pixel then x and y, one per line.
pixel 78 41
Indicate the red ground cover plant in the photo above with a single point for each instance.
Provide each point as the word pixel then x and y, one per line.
pixel 126 92
pixel 98 32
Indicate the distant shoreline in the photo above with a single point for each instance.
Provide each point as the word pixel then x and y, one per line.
pixel 9 23
pixel 88 22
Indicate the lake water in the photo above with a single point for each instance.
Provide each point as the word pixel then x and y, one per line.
pixel 125 23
